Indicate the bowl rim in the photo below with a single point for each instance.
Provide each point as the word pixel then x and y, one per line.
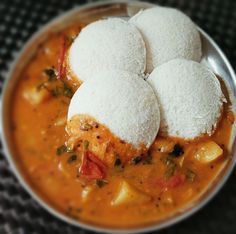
pixel 41 201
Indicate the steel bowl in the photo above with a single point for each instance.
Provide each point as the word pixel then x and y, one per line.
pixel 213 57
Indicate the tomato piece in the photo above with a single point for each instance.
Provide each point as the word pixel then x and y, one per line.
pixel 96 160
pixel 61 59
pixel 176 181
pixel 92 167
pixel 173 182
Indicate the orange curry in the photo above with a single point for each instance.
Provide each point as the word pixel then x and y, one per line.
pixel 95 177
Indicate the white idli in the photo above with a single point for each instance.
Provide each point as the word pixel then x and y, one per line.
pixel 168 34
pixel 107 44
pixel 189 96
pixel 123 102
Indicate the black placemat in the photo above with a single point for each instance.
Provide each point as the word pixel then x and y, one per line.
pixel 19 213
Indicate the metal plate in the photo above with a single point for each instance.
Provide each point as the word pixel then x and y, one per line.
pixel 213 57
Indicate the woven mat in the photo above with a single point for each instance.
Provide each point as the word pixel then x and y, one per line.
pixel 19 213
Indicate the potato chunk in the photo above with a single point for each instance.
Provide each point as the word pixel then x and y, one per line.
pixel 164 145
pixel 127 194
pixel 60 121
pixel 208 152
pixel 86 192
pixel 36 96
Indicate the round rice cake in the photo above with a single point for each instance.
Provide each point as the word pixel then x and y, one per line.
pixel 107 44
pixel 121 101
pixel 190 98
pixel 168 33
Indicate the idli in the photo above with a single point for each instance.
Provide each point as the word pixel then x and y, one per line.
pixel 123 102
pixel 190 98
pixel 107 44
pixel 168 33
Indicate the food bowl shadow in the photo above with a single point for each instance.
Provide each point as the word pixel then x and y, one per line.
pixel 213 57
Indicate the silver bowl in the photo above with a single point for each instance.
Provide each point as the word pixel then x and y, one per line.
pixel 213 57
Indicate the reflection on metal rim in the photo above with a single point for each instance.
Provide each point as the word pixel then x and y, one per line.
pixel 212 57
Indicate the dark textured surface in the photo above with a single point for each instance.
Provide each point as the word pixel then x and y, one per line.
pixel 19 213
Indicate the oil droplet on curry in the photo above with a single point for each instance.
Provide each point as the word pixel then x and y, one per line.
pixel 91 175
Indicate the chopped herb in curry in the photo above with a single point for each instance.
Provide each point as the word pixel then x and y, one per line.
pixel 61 150
pixel 136 160
pixel 177 151
pixel 72 158
pixel 101 183
pixel 51 74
